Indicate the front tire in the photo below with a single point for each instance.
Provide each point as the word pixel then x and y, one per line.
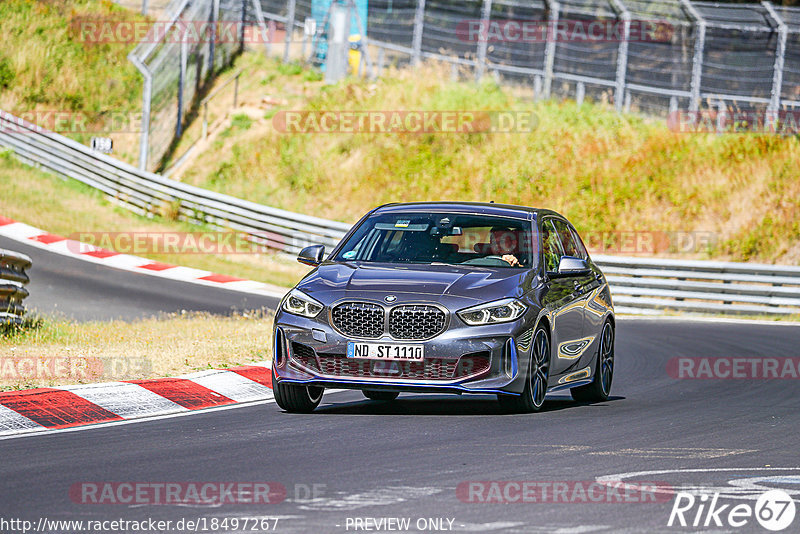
pixel 600 388
pixel 533 394
pixel 295 398
pixel 386 396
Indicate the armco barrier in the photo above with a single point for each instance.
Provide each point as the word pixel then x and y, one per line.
pixel 638 285
pixel 147 193
pixel 12 281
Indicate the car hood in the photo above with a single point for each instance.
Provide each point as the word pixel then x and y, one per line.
pixel 331 281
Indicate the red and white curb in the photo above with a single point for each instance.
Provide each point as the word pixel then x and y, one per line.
pixel 69 247
pixel 42 409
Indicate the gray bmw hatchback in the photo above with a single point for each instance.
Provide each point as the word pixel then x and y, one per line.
pixel 448 297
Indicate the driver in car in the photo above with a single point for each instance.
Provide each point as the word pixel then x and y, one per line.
pixel 503 242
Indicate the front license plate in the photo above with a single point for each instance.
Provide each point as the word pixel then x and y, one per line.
pixel 380 351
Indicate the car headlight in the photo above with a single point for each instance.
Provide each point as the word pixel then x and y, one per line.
pixel 499 311
pixel 299 303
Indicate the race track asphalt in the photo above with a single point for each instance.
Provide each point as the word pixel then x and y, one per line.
pixel 406 459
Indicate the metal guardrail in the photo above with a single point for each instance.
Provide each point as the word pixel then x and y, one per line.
pixel 638 285
pixel 12 281
pixel 148 193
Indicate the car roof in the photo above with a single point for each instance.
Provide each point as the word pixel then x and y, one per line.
pixel 483 208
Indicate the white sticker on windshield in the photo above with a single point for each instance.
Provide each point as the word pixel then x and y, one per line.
pixel 402 224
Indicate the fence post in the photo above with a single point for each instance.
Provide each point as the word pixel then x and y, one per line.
pixel 181 85
pixel 265 37
pixel 287 41
pixel 419 21
pixel 697 60
pixel 622 54
pixel 780 55
pixel 483 41
pixel 146 97
pixel 242 25
pixel 550 49
pixel 214 17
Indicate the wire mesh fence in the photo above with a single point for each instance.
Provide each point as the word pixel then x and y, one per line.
pixel 658 57
pixel 178 60
pixel 652 56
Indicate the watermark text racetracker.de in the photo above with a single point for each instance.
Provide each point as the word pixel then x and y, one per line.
pixel 564 30
pixel 563 491
pixel 73 367
pixel 404 121
pixel 70 122
pixel 735 121
pixel 95 31
pixel 733 368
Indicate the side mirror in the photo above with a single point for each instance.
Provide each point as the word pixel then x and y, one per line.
pixel 571 266
pixel 311 255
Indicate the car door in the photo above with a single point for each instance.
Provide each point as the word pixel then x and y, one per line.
pixel 562 300
pixel 571 351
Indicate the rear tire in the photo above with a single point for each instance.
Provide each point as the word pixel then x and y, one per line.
pixel 533 394
pixel 375 395
pixel 600 388
pixel 295 398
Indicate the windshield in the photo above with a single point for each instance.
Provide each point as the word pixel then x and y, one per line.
pixel 449 238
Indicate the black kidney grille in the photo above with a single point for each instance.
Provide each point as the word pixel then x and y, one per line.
pixel 359 319
pixel 416 322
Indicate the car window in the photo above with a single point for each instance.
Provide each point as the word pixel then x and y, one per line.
pixel 551 246
pixel 452 238
pixel 568 244
pixel 582 252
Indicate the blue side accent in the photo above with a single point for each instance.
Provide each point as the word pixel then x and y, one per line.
pixel 430 386
pixel 513 356
pixel 275 347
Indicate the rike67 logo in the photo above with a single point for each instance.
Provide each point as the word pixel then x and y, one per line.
pixel 774 510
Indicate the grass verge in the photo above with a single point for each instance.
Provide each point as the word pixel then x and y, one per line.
pixel 53 352
pixel 48 65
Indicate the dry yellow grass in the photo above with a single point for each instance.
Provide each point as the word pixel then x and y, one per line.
pixel 63 352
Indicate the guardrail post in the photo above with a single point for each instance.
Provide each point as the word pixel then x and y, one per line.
pixel 419 23
pixel 697 59
pixel 622 54
pixel 550 49
pixel 287 41
pixel 780 55
pixel 483 39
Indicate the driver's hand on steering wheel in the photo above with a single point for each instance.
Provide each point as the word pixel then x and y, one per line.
pixel 511 260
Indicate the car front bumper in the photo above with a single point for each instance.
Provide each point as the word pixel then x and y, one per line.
pixel 466 359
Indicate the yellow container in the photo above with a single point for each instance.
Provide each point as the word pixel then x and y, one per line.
pixel 354 54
